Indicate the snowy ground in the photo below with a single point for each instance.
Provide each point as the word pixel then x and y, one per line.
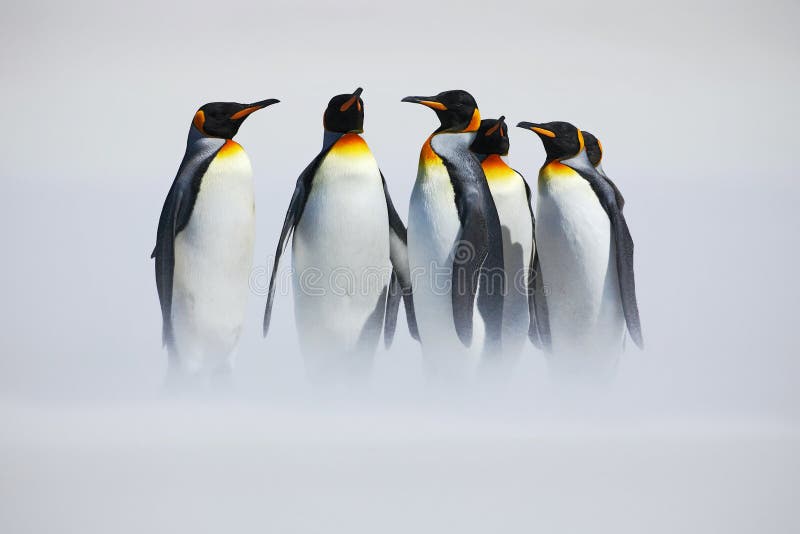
pixel 231 467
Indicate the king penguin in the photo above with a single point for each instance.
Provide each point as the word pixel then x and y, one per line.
pixel 594 151
pixel 455 244
pixel 586 253
pixel 349 255
pixel 204 246
pixel 512 197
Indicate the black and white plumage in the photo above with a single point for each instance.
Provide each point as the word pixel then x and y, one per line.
pixel 204 244
pixel 349 250
pixel 586 252
pixel 455 242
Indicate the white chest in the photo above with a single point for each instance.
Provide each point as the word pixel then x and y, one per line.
pixel 345 220
pixel 222 224
pixel 573 235
pixel 433 223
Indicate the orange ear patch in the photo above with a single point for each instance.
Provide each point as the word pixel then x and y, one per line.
pixel 475 122
pixel 492 130
pixel 199 120
pixel 352 100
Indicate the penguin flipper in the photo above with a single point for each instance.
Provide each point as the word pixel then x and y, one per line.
pixel 293 214
pixel 392 306
pixel 538 302
pixel 477 236
pixel 624 251
pixel 539 326
pixel 398 252
pixel 617 193
pixel 174 217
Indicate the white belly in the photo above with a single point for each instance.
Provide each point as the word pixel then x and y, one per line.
pixel 213 259
pixel 433 228
pixel 340 257
pixel 515 219
pixel 573 236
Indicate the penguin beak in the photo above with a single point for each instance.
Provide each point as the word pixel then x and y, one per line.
pixel 541 132
pixel 255 106
pixel 429 101
pixel 503 128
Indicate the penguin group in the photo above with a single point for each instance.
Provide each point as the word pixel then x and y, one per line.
pixel 482 268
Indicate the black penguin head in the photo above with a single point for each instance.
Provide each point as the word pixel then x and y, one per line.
pixel 222 119
pixel 561 140
pixel 457 110
pixel 492 137
pixel 345 113
pixel 594 150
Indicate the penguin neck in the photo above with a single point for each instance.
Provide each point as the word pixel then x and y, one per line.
pixel 579 161
pixel 600 171
pixel 329 138
pixel 196 135
pixel 448 140
pixel 483 157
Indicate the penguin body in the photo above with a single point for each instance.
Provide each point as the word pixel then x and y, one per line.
pixel 434 228
pixel 511 196
pixel 586 257
pixel 204 248
pixel 455 243
pixel 343 238
pixel 348 252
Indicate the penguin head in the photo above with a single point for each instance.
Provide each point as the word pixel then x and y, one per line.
pixel 492 137
pixel 457 110
pixel 594 150
pixel 222 119
pixel 561 140
pixel 345 113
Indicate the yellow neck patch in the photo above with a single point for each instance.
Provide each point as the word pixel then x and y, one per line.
pixel 496 169
pixel 350 145
pixel 556 170
pixel 230 149
pixel 427 157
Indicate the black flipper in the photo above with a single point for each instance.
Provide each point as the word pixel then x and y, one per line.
pixel 398 252
pixel 392 305
pixel 617 193
pixel 478 251
pixel 175 216
pixel 293 214
pixel 624 250
pixel 539 327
